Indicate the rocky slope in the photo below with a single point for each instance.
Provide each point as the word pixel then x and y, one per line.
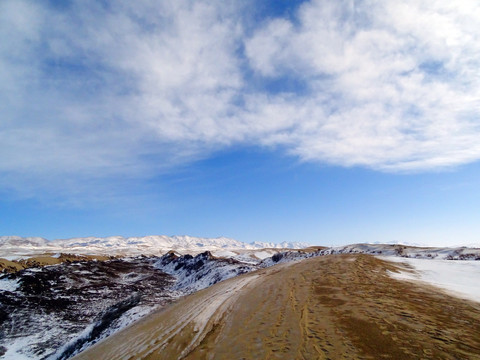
pixel 62 308
pixel 331 307
pixel 199 272
pixel 55 311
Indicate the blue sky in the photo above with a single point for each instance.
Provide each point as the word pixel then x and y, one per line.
pixel 329 122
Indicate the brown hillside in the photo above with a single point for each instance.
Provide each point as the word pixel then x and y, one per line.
pixel 332 307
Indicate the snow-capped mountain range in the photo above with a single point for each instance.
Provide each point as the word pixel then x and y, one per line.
pixel 12 246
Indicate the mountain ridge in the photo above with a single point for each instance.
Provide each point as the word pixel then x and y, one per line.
pixel 119 245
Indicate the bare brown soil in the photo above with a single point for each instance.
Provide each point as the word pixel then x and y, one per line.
pixel 10 266
pixel 332 307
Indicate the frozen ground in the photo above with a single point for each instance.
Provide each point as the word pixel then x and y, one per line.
pixel 55 311
pixel 459 278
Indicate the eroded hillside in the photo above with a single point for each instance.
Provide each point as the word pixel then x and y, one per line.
pixel 335 307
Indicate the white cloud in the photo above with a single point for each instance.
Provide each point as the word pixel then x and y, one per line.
pixel 91 91
pixel 395 81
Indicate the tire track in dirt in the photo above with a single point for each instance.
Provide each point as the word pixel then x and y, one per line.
pixel 332 307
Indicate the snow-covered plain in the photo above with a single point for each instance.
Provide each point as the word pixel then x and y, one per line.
pixel 458 278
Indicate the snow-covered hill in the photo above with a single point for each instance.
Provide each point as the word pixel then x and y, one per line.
pixel 53 311
pixel 12 247
pixel 439 253
pixel 199 272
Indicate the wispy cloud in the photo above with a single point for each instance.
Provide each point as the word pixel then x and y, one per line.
pixel 92 90
pixel 392 85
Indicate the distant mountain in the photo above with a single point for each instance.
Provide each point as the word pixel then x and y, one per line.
pixel 22 241
pixel 282 245
pixel 11 246
pixel 439 253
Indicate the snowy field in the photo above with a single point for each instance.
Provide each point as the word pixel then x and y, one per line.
pixel 459 278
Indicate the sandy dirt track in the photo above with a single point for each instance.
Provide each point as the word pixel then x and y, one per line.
pixel 332 307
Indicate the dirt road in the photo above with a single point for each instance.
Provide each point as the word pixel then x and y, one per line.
pixel 332 307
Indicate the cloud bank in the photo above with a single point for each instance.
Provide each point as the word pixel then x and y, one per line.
pixel 93 90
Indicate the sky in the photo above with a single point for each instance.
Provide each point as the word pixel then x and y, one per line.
pixel 323 121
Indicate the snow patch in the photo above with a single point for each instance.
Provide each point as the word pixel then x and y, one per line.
pixel 15 349
pixel 459 278
pixel 224 253
pixel 12 257
pixel 263 254
pixel 8 285
pixel 199 272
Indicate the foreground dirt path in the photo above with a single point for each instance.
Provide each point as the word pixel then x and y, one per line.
pixel 333 307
